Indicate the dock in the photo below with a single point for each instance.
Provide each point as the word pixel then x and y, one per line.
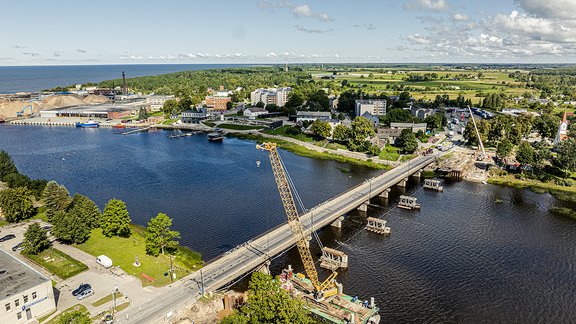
pixel 137 130
pixel 408 202
pixel 433 185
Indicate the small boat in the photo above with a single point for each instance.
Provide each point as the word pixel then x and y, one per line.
pixel 119 126
pixel 215 137
pixel 88 124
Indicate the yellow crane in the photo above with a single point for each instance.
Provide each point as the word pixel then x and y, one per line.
pixel 328 286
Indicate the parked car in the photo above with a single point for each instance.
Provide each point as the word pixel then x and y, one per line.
pixel 81 289
pixel 85 294
pixel 47 227
pixel 104 261
pixel 7 237
pixel 18 247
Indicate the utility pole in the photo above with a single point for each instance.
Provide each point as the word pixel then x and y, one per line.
pixel 171 269
pixel 201 283
pixel 114 297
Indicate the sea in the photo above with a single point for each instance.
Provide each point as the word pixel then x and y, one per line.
pixel 36 78
pixel 474 253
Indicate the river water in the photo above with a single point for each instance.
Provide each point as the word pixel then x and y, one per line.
pixel 474 253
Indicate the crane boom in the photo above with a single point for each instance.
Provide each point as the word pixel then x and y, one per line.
pixel 484 155
pixel 293 218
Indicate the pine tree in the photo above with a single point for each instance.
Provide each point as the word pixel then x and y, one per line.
pixel 6 165
pixel 115 220
pixel 74 224
pixel 16 204
pixel 56 199
pixel 35 239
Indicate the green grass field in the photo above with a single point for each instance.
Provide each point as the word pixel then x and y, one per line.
pixel 282 131
pixel 77 307
pixel 239 127
pixel 123 252
pixel 58 263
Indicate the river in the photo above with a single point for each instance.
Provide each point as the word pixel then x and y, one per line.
pixel 474 253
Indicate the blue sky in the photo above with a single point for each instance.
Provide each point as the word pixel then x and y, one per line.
pixel 38 32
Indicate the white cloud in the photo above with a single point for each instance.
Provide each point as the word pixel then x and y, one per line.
pixel 549 8
pixel 540 29
pixel 297 11
pixel 313 31
pixel 302 11
pixel 79 50
pixel 418 39
pixel 436 5
pixel 459 17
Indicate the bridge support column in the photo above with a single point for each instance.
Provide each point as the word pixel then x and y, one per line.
pixel 402 183
pixel 384 193
pixel 363 207
pixel 338 222
pixel 265 267
pixel 333 259
pixel 417 174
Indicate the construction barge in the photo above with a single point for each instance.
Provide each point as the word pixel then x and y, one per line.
pixel 338 308
pixel 408 202
pixel 433 185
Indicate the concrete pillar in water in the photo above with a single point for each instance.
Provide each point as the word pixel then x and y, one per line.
pixel 417 174
pixel 385 193
pixel 338 222
pixel 363 207
pixel 402 182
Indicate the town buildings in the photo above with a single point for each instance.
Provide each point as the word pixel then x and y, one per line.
pixel 156 102
pixel 217 102
pixel 374 107
pixel 270 96
pixel 312 116
pixel 25 294
pixel 194 116
pixel 253 113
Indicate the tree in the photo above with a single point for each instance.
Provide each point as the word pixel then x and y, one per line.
pixel 35 239
pixel 362 130
pixel 142 114
pixel 295 100
pixel 470 133
pixel 321 128
pixel 229 105
pixel 504 149
pixel 566 157
pixel 115 220
pixel 74 224
pixel 7 166
pixel 407 141
pixel 86 210
pixel 374 150
pixel 547 125
pixel 268 303
pixel 341 133
pixel 75 317
pixel 160 236
pixel 525 154
pixel 170 106
pixel 56 198
pixel 16 204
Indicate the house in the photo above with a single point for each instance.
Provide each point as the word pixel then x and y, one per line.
pixel 562 134
pixel 389 134
pixel 374 119
pixel 25 293
pixel 194 116
pixel 253 113
pixel 217 102
pixel 312 116
pixel 156 102
pixel 414 127
pixel 374 107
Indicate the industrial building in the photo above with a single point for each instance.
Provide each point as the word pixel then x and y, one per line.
pixel 25 294
pixel 115 110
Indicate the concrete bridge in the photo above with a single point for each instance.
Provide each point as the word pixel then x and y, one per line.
pixel 257 252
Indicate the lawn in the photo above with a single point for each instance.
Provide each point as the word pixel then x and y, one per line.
pixel 58 263
pixel 239 127
pixel 282 131
pixel 123 252
pixel 106 299
pixel 389 153
pixel 77 307
pixel 209 124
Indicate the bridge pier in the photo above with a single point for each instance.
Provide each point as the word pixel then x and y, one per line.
pixel 402 183
pixel 384 193
pixel 417 174
pixel 338 222
pixel 364 206
pixel 333 259
pixel 265 267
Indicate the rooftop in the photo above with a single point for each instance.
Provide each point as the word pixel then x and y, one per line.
pixel 314 113
pixel 16 276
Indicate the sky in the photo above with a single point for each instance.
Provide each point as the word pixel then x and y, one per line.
pixel 61 32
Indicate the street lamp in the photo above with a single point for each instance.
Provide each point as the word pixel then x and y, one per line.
pixel 114 297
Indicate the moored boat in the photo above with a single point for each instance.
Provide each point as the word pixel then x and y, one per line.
pixel 215 137
pixel 88 124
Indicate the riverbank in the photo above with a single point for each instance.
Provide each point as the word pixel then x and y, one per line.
pixel 559 192
pixel 306 152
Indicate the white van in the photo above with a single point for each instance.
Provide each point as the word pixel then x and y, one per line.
pixel 104 261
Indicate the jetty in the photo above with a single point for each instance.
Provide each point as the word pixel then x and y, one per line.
pixel 433 185
pixel 408 202
pixel 137 130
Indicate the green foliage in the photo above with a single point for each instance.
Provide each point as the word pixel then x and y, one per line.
pixel 74 224
pixel 361 132
pixel 268 303
pixel 407 141
pixel 57 262
pixel 547 125
pixel 7 166
pixel 170 106
pixel 75 317
pixel 190 259
pixel 160 237
pixel 525 154
pixel 374 150
pixel 435 122
pixel 495 101
pixel 16 204
pixel 56 198
pixel 142 114
pixel 470 133
pixel 397 116
pixel 321 128
pixel 115 220
pixel 35 239
pixel 341 133
pixel 504 149
pixel 566 157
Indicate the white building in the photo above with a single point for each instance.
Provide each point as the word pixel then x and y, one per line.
pixel 374 107
pixel 253 113
pixel 25 294
pixel 312 116
pixel 156 102
pixel 275 96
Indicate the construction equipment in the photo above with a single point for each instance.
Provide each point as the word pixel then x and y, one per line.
pixel 484 155
pixel 21 112
pixel 322 289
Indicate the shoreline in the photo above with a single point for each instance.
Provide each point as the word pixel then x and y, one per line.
pixel 559 192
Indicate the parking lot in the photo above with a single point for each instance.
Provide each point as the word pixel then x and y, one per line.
pixel 103 281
